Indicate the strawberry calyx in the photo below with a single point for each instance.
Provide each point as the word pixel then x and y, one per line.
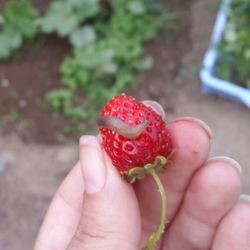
pixel 139 173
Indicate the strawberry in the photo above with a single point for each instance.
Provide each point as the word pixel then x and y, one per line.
pixel 127 153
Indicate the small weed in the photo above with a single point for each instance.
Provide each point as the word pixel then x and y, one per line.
pixel 12 117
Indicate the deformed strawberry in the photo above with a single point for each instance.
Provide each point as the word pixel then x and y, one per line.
pixel 138 142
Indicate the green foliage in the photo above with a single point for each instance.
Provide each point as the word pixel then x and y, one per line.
pixel 9 41
pixel 64 17
pixel 82 37
pixel 107 38
pixel 60 100
pixel 234 49
pixel 113 57
pixel 19 23
pixel 60 19
pixel 21 16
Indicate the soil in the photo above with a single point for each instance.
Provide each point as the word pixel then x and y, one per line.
pixel 30 75
pixel 30 172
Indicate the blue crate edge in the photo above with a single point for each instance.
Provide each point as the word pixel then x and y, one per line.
pixel 211 83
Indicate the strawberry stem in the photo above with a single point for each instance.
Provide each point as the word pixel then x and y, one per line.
pixel 152 241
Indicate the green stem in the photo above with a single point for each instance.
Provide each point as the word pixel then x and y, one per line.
pixel 151 244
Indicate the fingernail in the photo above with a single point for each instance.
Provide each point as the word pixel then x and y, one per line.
pixel 227 160
pixel 245 197
pixel 199 122
pixel 92 164
pixel 156 107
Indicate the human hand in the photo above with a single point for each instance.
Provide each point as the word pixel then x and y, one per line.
pixel 95 209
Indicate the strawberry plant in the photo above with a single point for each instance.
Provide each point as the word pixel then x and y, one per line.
pixel 235 48
pixel 18 23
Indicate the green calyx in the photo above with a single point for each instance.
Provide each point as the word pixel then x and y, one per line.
pixel 139 173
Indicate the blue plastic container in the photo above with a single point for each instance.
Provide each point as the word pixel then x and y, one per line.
pixel 211 83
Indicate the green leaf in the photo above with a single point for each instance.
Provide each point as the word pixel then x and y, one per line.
pixel 5 50
pixel 106 55
pixel 136 7
pixel 1 20
pixel 83 37
pixel 79 3
pixel 108 68
pixel 60 19
pixel 88 10
pixel 78 113
pixel 85 8
pixel 145 64
pixel 93 57
pixel 21 16
pixel 9 40
pixel 60 100
pixel 64 17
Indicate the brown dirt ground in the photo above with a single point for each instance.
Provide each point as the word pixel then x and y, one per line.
pixel 35 170
pixel 31 73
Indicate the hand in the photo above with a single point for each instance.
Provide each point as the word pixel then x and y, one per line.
pixel 95 209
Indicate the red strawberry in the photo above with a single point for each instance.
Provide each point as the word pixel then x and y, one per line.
pixel 128 153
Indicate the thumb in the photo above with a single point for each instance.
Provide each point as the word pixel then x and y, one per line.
pixel 110 217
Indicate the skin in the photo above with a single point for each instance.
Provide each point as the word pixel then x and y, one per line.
pixel 204 209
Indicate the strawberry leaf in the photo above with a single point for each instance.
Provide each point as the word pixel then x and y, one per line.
pixel 89 5
pixel 64 17
pixel 60 19
pixel 83 37
pixel 88 9
pixel 102 61
pixel 136 7
pixel 9 40
pixel 21 16
pixel 85 8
